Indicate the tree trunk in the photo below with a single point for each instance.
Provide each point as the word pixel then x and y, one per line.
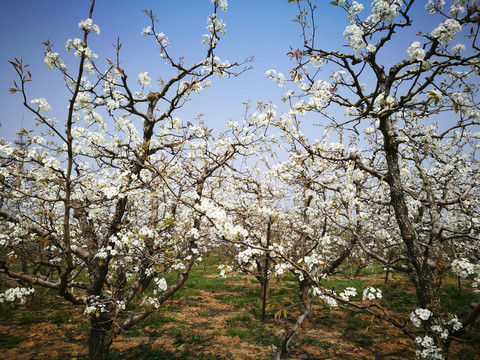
pixel 422 276
pixel 100 337
pixel 307 309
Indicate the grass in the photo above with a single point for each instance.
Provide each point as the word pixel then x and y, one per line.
pixel 356 323
pixel 29 318
pixel 186 336
pixel 248 328
pixel 158 320
pixel 9 341
pixel 234 313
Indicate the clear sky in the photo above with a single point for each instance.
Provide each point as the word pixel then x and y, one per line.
pixel 260 28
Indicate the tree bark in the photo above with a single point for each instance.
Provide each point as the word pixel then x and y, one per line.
pixel 100 337
pixel 307 309
pixel 422 276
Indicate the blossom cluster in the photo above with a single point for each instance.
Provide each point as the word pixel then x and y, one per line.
pixel 446 31
pixel 428 350
pixel 415 53
pixel 42 104
pixel 324 296
pixel 464 268
pixel 434 6
pixel 221 3
pixel 52 58
pixel 224 268
pixel 144 79
pixel 354 35
pixel 371 293
pixel 384 11
pixel 419 314
pixel 88 26
pixel 161 285
pixel 16 293
pixel 80 49
pixel 279 78
pixel 348 292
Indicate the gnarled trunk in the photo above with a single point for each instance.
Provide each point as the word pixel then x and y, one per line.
pixel 307 309
pixel 100 337
pixel 422 275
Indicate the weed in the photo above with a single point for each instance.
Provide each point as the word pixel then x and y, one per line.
pixel 6 313
pixel 29 318
pixel 364 341
pixel 9 341
pixel 239 319
pixel 158 320
pixel 325 345
pixel 60 317
pixel 133 333
pixel 355 323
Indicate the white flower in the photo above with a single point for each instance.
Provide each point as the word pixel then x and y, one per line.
pixel 144 79
pixel 371 293
pixel 49 59
pixel 147 30
pixel 434 6
pixel 88 26
pixel 423 314
pixel 221 3
pixel 458 48
pixel 415 320
pixel 161 284
pixel 430 350
pixel 354 36
pixel 415 53
pixel 15 293
pixel 349 291
pixel 445 32
pixel 463 268
pixel 112 104
pixel 42 104
pixel 277 77
pixel 383 11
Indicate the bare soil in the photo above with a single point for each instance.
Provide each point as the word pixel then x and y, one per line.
pixel 197 327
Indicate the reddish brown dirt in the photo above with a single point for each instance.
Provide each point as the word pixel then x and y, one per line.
pixel 205 316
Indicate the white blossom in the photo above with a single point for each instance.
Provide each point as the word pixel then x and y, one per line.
pixel 16 293
pixel 87 25
pixel 50 59
pixel 354 35
pixel 144 79
pixel 371 293
pixel 415 52
pixel 446 31
pixel 42 104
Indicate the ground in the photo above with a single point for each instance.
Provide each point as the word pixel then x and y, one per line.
pixel 217 319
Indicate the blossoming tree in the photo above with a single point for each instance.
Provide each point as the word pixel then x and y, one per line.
pixel 407 132
pixel 101 207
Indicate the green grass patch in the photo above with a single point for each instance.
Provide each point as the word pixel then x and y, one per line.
pixel 10 341
pixel 356 323
pixel 364 341
pixel 457 301
pixel 251 330
pixel 133 333
pixel 158 320
pixel 60 317
pixel 29 318
pixel 186 292
pixel 399 298
pixel 6 313
pixel 187 337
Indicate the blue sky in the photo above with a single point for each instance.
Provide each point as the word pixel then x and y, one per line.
pixel 260 28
